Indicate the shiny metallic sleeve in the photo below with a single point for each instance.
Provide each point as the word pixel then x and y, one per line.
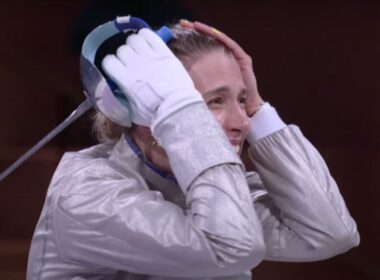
pixel 114 221
pixel 303 214
pixel 194 142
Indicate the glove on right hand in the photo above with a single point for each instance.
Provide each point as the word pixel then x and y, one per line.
pixel 154 81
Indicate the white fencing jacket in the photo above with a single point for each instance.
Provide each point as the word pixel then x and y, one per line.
pixel 111 214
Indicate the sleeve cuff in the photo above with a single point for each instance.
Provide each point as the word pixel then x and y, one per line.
pixel 263 123
pixel 194 142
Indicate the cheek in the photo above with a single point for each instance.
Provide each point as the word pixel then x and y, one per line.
pixel 220 116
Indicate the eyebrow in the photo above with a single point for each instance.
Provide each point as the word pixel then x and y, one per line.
pixel 224 90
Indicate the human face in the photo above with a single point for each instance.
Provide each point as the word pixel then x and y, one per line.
pixel 217 76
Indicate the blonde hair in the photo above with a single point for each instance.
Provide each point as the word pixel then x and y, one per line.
pixel 188 45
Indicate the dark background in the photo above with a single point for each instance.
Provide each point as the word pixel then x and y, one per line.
pixel 317 62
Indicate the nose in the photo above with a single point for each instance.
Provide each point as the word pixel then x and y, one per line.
pixel 236 122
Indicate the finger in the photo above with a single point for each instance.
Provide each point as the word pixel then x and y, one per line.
pixel 238 52
pixel 125 54
pixel 217 34
pixel 186 24
pixel 114 68
pixel 138 44
pixel 204 28
pixel 153 40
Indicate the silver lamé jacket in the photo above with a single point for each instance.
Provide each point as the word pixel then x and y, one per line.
pixel 111 214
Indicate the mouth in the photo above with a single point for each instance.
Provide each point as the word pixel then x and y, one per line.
pixel 237 144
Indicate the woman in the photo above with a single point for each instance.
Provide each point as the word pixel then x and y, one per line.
pixel 170 198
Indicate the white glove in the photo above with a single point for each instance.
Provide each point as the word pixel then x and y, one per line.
pixel 154 81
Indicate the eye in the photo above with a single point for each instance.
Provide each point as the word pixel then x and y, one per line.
pixel 217 101
pixel 242 100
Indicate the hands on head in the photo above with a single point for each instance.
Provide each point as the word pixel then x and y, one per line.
pixel 254 99
pixel 148 74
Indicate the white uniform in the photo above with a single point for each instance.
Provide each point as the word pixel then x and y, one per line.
pixel 110 214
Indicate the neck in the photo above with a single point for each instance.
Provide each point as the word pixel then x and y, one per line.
pixel 154 153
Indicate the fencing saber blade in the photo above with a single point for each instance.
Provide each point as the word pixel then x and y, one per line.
pixel 78 112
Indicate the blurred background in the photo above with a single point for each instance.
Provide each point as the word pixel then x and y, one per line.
pixel 317 62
